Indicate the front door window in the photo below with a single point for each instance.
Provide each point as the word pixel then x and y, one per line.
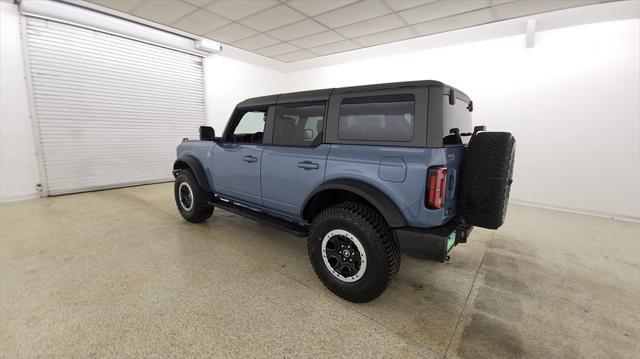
pixel 250 127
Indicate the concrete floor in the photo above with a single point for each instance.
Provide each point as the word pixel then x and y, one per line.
pixel 119 274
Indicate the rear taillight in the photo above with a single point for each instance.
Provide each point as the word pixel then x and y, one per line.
pixel 436 187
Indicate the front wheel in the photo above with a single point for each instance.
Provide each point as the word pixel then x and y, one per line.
pixel 192 201
pixel 353 251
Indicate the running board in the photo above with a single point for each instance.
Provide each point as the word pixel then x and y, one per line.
pixel 293 228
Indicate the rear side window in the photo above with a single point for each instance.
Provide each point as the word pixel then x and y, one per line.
pixel 298 125
pixel 377 118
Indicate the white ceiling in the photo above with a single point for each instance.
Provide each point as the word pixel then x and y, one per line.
pixel 294 30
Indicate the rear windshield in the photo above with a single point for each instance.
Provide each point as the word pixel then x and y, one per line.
pixel 377 118
pixel 456 116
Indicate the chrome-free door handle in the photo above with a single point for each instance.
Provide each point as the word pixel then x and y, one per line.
pixel 308 165
pixel 249 158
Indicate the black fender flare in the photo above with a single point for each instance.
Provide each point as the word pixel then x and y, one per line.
pixel 196 168
pixel 379 200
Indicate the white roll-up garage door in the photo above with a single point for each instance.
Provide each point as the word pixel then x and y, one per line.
pixel 110 110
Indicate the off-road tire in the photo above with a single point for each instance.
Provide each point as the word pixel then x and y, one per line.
pixel 380 246
pixel 200 211
pixel 486 179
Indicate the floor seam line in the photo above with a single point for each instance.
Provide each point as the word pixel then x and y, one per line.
pixel 473 283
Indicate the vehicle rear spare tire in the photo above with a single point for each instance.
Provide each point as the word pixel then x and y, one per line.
pixel 486 179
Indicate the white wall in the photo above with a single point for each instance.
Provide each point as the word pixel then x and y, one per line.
pixel 18 167
pixel 229 81
pixel 572 102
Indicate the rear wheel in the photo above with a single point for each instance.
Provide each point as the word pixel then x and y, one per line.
pixel 191 200
pixel 353 251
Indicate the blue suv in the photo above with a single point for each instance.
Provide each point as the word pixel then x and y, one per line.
pixel 364 172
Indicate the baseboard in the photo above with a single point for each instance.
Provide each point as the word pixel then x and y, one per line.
pixel 621 217
pixel 21 197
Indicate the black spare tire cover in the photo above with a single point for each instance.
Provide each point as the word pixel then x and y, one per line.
pixel 487 174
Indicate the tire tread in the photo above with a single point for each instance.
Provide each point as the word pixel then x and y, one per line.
pixel 486 182
pixel 364 216
pixel 201 209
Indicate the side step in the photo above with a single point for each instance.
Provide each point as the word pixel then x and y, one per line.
pixel 293 228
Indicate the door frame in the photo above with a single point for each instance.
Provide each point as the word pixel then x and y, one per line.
pixel 231 125
pixel 42 186
pixel 324 101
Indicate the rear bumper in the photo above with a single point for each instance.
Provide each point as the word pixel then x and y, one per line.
pixel 432 243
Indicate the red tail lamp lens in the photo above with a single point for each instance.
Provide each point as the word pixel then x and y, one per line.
pixel 436 186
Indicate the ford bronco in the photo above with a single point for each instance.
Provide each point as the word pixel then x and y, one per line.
pixel 364 172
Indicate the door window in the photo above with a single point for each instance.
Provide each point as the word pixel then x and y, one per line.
pixel 299 125
pixel 250 127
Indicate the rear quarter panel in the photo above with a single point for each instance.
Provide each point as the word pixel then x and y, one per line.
pixel 400 173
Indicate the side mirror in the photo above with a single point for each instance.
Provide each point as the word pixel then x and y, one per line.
pixel 207 133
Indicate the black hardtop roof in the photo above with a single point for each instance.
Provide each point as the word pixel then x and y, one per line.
pixel 323 94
